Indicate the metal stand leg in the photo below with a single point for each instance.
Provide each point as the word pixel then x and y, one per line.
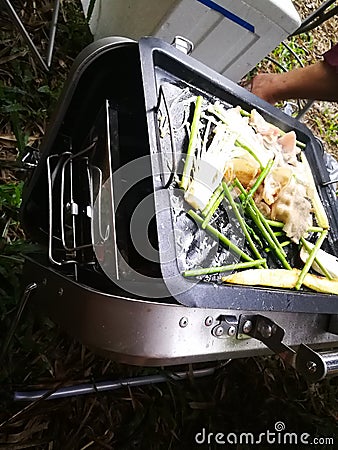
pixel 18 23
pixel 108 385
pixel 52 32
pixel 27 292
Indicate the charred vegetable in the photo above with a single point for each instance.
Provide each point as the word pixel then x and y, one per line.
pixel 282 278
pixel 259 172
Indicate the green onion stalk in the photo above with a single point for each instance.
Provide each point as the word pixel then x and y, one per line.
pixel 241 144
pixel 278 250
pixel 220 269
pixel 241 222
pixel 282 244
pixel 220 237
pixel 276 224
pixel 264 223
pixel 260 179
pixel 212 210
pixel 212 200
pixel 311 258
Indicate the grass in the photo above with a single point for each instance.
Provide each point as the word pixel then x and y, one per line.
pixel 10 270
pixel 249 394
pixel 327 125
pixel 301 46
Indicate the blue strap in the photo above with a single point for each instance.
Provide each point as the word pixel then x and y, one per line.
pixel 228 14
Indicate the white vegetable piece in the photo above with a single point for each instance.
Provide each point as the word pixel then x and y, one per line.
pixel 210 167
pixel 328 261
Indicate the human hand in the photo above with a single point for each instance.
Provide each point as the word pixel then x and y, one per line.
pixel 265 86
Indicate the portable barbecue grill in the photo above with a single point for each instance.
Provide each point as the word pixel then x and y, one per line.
pixel 102 203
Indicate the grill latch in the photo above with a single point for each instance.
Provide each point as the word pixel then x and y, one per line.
pixel 305 360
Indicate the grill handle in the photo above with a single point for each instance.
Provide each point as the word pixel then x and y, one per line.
pixel 314 366
pixel 331 360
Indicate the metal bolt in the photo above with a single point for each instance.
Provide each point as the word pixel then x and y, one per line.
pixel 60 291
pixel 311 366
pixel 231 331
pixel 208 321
pixel 247 326
pixel 219 330
pixel 265 330
pixel 183 322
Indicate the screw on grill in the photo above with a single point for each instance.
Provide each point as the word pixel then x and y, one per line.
pixel 208 321
pixel 183 322
pixel 247 326
pixel 231 331
pixel 311 366
pixel 218 331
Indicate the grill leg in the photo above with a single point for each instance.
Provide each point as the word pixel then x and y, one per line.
pixel 26 295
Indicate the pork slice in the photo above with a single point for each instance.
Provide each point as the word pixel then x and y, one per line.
pixel 276 180
pixel 262 126
pixel 293 208
pixel 289 147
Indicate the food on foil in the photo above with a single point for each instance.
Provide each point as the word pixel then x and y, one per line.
pixel 238 159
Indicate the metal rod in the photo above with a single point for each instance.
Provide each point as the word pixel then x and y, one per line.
pixel 50 211
pixel 305 109
pixel 317 13
pixel 52 32
pixel 320 20
pixel 300 62
pixel 278 64
pixel 27 292
pixel 331 361
pixel 103 238
pixel 72 204
pixel 313 20
pixel 104 386
pixel 16 19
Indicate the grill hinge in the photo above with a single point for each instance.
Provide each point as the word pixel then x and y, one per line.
pixel 305 360
pixel 226 326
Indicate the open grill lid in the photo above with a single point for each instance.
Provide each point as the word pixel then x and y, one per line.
pixel 133 79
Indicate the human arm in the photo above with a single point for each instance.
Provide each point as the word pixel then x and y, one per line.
pixel 318 81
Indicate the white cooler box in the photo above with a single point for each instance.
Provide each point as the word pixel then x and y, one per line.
pixel 231 37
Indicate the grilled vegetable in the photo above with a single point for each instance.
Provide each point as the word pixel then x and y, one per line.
pixel 310 259
pixel 243 157
pixel 220 237
pixel 321 284
pixel 282 278
pixel 318 207
pixel 323 262
pixel 209 168
pixel 219 269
